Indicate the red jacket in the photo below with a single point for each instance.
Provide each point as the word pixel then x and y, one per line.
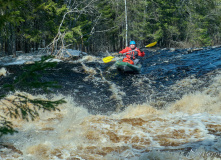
pixel 132 54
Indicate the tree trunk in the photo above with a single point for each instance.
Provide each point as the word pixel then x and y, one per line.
pixel 126 22
pixel 11 44
pixel 13 41
pixel 2 46
pixel 26 47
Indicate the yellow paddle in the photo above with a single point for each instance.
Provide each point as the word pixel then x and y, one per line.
pixel 151 44
pixel 109 58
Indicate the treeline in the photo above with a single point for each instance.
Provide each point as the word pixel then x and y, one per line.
pixel 97 26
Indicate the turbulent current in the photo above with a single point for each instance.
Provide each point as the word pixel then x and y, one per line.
pixel 171 110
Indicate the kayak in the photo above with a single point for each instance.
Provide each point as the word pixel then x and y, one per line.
pixel 127 67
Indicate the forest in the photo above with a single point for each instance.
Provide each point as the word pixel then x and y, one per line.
pixel 95 26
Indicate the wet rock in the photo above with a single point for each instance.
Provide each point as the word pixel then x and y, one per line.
pixel 3 72
pixel 29 62
pixel 172 49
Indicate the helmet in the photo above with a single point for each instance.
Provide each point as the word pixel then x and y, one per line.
pixel 132 42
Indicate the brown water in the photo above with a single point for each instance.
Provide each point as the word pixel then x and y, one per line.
pixel 187 127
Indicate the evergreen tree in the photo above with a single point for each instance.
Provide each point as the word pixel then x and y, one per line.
pixel 10 18
pixel 35 23
pixel 110 31
pixel 203 22
pixel 42 21
pixel 22 106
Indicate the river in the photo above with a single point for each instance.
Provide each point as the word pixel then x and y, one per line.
pixel 171 110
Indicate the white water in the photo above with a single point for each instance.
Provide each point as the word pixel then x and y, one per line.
pixel 139 132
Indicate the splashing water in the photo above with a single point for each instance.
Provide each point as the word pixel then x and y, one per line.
pixel 172 110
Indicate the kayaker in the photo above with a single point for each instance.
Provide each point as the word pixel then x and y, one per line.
pixel 132 53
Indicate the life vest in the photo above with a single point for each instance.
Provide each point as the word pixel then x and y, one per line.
pixel 132 54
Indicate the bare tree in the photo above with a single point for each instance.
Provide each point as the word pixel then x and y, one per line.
pixel 126 22
pixel 58 46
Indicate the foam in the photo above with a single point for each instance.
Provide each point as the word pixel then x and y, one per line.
pixel 140 131
pixel 3 72
pixel 73 132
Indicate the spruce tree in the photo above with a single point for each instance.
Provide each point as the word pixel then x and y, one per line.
pixel 22 106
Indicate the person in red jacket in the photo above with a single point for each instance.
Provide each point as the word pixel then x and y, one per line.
pixel 132 52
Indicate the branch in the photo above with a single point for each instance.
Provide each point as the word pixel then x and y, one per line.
pixel 59 38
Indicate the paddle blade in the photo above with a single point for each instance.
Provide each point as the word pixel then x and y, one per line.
pixel 151 44
pixel 107 59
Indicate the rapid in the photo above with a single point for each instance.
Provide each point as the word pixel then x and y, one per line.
pixel 171 110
